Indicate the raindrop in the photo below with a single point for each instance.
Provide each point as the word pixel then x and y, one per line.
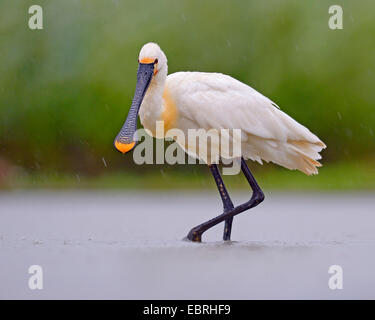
pixel 78 177
pixel 348 132
pixel 339 115
pixel 371 132
pixel 105 163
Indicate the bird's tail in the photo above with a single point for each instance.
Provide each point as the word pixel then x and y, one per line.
pixel 292 154
pixel 308 154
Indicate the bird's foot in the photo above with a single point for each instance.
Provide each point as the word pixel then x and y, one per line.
pixel 194 236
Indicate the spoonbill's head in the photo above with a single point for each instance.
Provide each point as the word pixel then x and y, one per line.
pixel 152 67
pixel 151 53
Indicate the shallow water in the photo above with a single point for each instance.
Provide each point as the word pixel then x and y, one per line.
pixel 128 245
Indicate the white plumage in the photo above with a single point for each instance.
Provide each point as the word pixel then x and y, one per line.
pixel 194 100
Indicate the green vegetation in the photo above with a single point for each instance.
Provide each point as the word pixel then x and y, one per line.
pixel 342 176
pixel 65 90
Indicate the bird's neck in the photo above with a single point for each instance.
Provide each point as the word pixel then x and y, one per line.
pixel 152 104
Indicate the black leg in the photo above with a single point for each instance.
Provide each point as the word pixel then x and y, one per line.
pixel 257 197
pixel 227 202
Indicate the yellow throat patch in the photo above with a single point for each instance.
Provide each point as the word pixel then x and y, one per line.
pixel 169 114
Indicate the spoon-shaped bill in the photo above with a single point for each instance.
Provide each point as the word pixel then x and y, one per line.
pixel 125 140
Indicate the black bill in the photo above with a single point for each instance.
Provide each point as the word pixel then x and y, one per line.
pixel 125 140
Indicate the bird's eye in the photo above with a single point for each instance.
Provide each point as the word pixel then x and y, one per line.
pixel 156 61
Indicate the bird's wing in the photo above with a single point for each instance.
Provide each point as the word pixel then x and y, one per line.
pixel 215 100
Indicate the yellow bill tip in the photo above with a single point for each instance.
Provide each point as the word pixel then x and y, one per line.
pixel 124 147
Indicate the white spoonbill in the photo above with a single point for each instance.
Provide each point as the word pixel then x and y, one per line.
pixel 198 100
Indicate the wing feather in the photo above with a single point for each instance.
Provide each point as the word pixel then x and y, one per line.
pixel 215 100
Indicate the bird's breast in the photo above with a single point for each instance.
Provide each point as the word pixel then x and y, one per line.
pixel 159 106
pixel 170 112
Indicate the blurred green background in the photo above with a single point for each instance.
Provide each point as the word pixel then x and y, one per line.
pixel 65 90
